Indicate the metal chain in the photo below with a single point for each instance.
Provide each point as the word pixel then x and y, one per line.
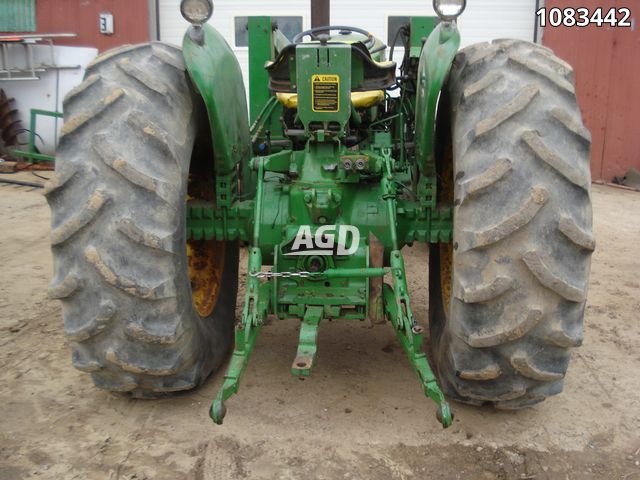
pixel 282 274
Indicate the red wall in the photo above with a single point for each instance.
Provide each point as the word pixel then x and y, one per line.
pixel 607 68
pixel 130 18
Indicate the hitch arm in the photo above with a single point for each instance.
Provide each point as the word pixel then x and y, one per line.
pixel 398 308
pixel 255 310
pixel 307 346
pixel 411 341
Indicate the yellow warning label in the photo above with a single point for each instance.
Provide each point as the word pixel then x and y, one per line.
pixel 325 91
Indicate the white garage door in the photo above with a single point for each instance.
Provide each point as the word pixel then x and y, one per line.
pixel 481 21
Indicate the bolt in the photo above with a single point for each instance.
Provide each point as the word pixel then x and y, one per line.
pixel 322 220
pixel 360 164
pixel 347 164
pixel 314 265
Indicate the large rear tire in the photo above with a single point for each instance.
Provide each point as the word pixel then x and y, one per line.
pixel 508 295
pixel 146 312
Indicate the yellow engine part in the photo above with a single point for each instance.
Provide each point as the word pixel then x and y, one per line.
pixel 358 99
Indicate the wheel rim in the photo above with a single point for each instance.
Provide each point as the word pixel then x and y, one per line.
pixel 205 257
pixel 446 195
pixel 206 262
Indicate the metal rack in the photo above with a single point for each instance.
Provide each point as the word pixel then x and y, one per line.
pixel 32 155
pixel 27 42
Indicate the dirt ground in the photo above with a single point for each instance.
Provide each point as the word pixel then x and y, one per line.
pixel 361 415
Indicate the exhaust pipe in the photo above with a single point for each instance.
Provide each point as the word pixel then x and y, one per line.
pixel 320 13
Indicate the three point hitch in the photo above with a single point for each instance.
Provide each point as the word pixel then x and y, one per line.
pixel 308 295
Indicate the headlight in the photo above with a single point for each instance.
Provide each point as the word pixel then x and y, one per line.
pixel 449 10
pixel 196 11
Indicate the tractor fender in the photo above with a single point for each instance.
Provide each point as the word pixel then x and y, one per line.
pixel 217 76
pixel 435 62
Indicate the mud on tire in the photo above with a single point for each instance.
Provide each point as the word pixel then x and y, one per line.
pixel 505 316
pixel 118 201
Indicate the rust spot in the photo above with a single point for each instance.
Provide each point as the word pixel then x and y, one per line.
pixel 446 249
pixel 446 275
pixel 303 362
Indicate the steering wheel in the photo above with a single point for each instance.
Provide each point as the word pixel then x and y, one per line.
pixel 344 30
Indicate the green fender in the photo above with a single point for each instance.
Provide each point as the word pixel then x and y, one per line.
pixel 435 62
pixel 215 72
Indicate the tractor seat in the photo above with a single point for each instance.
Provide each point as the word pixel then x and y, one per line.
pixel 376 75
pixel 358 99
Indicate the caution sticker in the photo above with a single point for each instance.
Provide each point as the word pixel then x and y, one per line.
pixel 325 91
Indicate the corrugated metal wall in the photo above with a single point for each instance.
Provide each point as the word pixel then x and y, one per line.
pixel 17 15
pixel 607 69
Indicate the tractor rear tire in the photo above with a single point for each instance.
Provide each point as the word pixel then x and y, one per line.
pixel 134 135
pixel 508 295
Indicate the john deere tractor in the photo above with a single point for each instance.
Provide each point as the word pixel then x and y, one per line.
pixel 342 159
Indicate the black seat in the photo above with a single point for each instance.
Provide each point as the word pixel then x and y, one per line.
pixel 377 75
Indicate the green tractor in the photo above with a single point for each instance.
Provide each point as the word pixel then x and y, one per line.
pixel 338 163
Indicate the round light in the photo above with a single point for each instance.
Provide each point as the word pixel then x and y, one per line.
pixel 449 10
pixel 196 11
